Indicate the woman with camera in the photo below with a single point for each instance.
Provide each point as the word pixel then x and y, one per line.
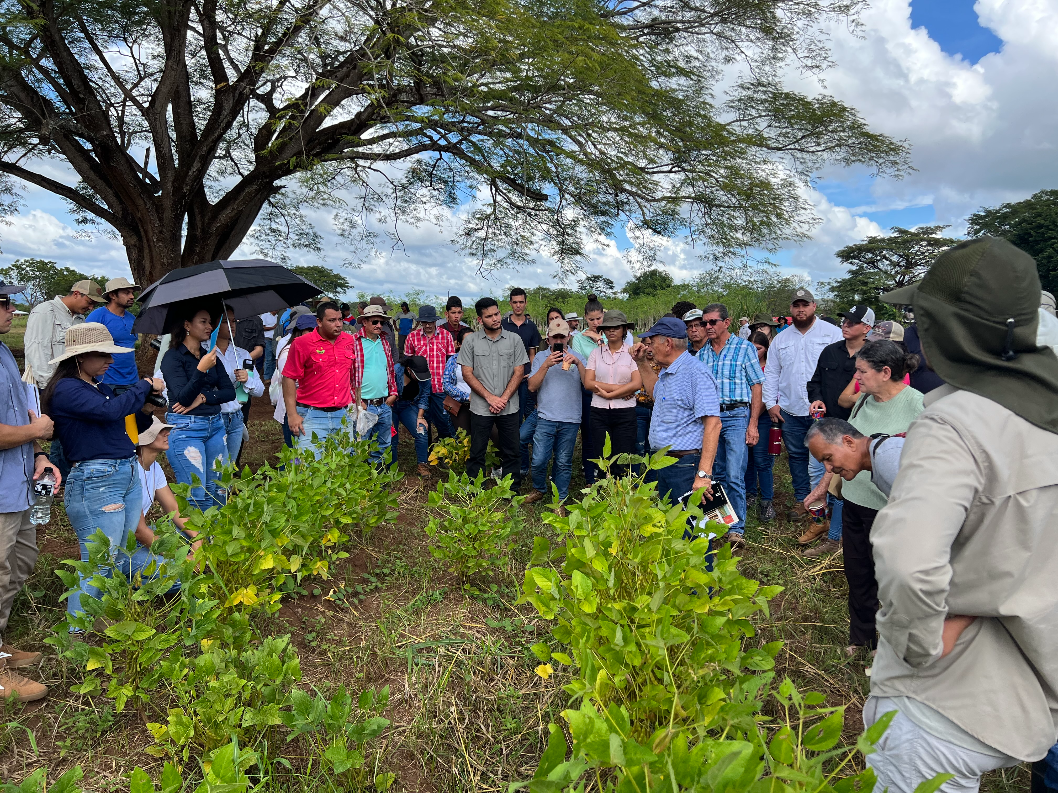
pixel 197 386
pixel 103 491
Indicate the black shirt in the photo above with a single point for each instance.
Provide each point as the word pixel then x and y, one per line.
pixel 184 382
pixel 529 335
pixel 923 378
pixel 834 371
pixel 249 333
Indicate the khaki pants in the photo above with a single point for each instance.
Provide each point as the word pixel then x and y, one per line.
pixel 18 556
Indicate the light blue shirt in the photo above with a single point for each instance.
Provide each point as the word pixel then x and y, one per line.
pixel 559 397
pixel 123 371
pixel 684 394
pixel 376 379
pixel 16 463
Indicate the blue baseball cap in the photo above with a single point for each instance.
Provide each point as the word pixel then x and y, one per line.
pixel 667 326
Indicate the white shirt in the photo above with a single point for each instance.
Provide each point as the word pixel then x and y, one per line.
pixel 232 360
pixel 743 332
pixel 792 360
pixel 151 480
pixel 269 320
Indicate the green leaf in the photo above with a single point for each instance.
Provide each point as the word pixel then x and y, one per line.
pixel 554 754
pixel 933 785
pixel 781 747
pixel 874 733
pixel 541 651
pixel 581 584
pixel 139 782
pixel 824 734
pixel 171 781
pixel 67 783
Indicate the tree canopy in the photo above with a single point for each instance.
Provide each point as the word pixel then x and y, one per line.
pixel 599 285
pixel 44 279
pixel 1032 225
pixel 648 282
pixel 333 284
pixel 881 264
pixel 192 124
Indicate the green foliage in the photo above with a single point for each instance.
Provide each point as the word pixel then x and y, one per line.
pixel 333 284
pixel 599 285
pixel 881 264
pixel 1031 224
pixel 472 527
pixel 647 283
pixel 647 625
pixel 44 279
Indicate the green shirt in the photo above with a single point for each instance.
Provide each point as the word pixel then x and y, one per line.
pixel 376 381
pixel 870 416
pixel 583 345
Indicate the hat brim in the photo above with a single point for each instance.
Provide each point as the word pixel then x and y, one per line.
pixel 604 325
pixel 97 298
pixel 133 287
pixel 12 289
pixel 113 349
pixel 905 296
pixel 158 431
pixel 373 316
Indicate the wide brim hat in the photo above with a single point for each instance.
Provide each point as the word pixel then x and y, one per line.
pixel 977 312
pixel 114 284
pixel 763 319
pixel 89 337
pixel 147 436
pixel 373 310
pixel 613 318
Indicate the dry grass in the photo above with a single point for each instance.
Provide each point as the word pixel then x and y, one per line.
pixel 468 713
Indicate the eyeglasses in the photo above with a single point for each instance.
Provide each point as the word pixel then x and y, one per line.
pixel 5 303
pixel 712 322
pixel 372 321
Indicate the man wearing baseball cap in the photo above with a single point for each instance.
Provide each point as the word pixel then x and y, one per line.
pixel 115 315
pixel 964 550
pixel 686 416
pixel 792 359
pixel 47 323
pixel 834 371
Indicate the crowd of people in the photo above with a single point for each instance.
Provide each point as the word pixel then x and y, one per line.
pixel 923 452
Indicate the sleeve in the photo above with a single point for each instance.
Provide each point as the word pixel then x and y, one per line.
pixel 538 361
pixel 449 343
pixel 223 391
pixel 295 365
pixel 754 373
pixel 425 392
pixel 521 357
pixel 37 342
pixel 772 372
pixel 182 389
pixel 913 535
pixel 466 352
pixel 84 403
pixel 593 359
pixel 448 377
pixel 815 385
pixel 391 368
pixel 535 340
pixel 96 315
pixel 410 344
pixel 254 384
pixel 706 395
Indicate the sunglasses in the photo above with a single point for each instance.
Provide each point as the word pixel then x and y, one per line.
pixel 712 322
pixel 372 321
pixel 5 303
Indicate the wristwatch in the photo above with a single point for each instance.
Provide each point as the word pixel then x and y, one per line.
pixel 704 475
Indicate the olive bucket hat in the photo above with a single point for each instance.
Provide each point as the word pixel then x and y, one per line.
pixel 977 310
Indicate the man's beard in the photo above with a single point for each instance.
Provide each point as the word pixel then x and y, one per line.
pixel 805 323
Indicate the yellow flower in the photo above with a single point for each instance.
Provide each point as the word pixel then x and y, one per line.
pixel 544 670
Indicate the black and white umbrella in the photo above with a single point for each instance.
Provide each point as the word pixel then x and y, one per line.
pixel 249 287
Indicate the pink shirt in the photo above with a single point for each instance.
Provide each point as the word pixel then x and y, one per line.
pixel 614 369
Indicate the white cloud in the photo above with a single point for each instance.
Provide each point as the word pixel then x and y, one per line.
pixel 40 235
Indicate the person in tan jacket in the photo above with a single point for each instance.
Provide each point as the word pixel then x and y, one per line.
pixel 964 549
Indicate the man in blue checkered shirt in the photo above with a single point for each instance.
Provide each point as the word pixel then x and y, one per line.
pixel 740 380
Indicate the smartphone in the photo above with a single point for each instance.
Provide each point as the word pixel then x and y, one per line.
pixel 558 347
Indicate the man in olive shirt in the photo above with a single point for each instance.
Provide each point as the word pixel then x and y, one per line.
pixel 493 361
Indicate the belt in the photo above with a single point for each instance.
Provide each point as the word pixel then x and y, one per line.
pixel 325 410
pixel 375 402
pixel 733 406
pixel 683 452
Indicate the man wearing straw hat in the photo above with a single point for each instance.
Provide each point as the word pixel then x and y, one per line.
pixel 963 551
pixel 21 462
pixel 115 315
pixel 374 380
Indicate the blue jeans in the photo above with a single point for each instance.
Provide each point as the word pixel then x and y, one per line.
pixel 408 414
pixel 381 433
pixel 269 358
pixel 102 495
pixel 805 470
pixel 317 425
pixel 676 481
pixel 559 437
pixel 760 479
pixel 58 458
pixel 197 448
pixel 525 438
pixel 643 414
pixel 836 505
pixel 729 467
pixel 234 427
pixel 438 416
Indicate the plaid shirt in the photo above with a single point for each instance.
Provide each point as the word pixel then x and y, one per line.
pixel 358 363
pixel 736 369
pixel 435 349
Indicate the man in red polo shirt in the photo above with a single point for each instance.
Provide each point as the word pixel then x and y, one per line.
pixel 317 379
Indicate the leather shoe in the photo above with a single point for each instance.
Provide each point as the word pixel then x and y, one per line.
pixel 798 512
pixel 825 548
pixel 533 497
pixel 736 539
pixel 814 532
pixel 17 659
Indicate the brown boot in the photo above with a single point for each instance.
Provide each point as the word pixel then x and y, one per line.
pixel 17 659
pixel 533 497
pixel 423 470
pixel 737 541
pixel 814 532
pixel 798 512
pixel 825 548
pixel 562 512
pixel 15 688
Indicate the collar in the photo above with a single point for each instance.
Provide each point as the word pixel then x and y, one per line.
pixel 938 393
pixel 815 321
pixel 709 344
pixel 66 308
pixel 675 365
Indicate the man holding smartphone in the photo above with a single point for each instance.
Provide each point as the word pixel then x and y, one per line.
pixel 556 377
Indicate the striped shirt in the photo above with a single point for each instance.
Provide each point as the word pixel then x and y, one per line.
pixel 684 394
pixel 736 369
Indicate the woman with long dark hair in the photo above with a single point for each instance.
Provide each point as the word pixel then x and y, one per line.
pixel 584 344
pixel 197 386
pixel 103 489
pixel 760 479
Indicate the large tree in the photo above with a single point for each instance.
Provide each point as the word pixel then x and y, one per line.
pixel 1032 225
pixel 880 264
pixel 545 122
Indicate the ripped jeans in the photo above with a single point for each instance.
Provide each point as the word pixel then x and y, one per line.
pixel 102 495
pixel 197 448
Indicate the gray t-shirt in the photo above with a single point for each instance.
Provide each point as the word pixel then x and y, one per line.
pixel 493 362
pixel 885 462
pixel 559 397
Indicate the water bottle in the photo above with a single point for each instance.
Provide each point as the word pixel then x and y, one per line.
pixel 43 495
pixel 240 393
pixel 775 439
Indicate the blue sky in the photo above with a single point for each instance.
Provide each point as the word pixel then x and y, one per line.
pixel 973 87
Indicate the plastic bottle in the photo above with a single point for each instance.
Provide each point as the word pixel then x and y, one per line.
pixel 240 392
pixel 44 494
